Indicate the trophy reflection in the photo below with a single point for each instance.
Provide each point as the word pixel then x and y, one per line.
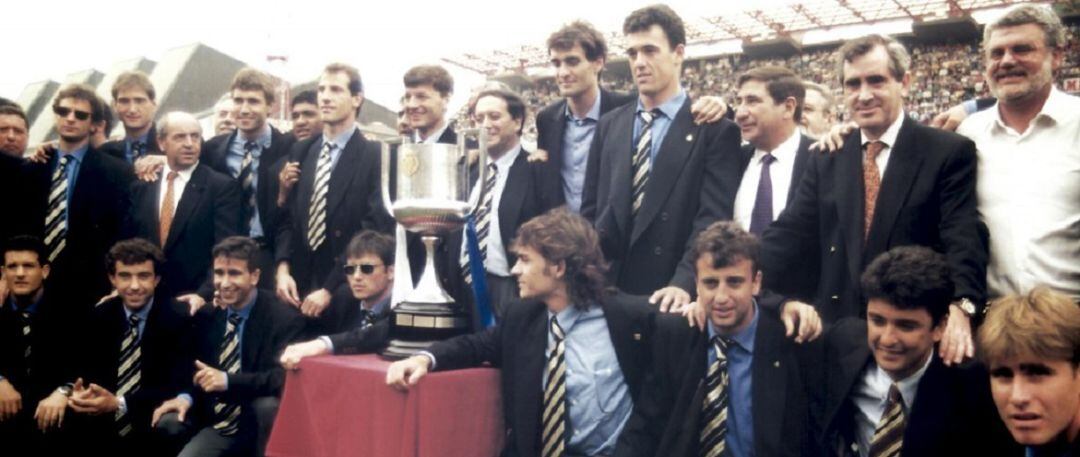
pixel 430 184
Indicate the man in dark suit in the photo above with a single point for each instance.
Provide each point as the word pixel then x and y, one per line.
pixel 77 201
pixel 35 367
pixel 134 357
pixel 894 183
pixel 887 391
pixel 565 128
pixel 428 89
pixel 743 367
pixel 337 196
pixel 134 103
pixel 237 378
pixel 1031 345
pixel 187 210
pixel 567 342
pixel 13 131
pixel 248 154
pixel 359 308
pixel 655 179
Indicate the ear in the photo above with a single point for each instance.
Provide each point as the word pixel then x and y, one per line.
pixel 756 285
pixel 255 274
pixel 45 270
pixel 789 107
pixel 905 84
pixel 938 332
pixel 1057 57
pixel 157 280
pixel 680 52
pixel 390 273
pixel 560 269
pixel 358 100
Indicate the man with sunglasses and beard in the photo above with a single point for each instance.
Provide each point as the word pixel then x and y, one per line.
pixel 76 200
pixel 361 308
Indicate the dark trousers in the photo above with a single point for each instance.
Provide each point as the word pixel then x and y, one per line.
pixel 205 441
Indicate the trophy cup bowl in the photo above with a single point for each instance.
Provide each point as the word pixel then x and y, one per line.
pixel 431 184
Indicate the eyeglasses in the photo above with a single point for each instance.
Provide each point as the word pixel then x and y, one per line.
pixel 365 268
pixel 63 112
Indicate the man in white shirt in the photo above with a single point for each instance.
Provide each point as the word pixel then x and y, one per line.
pixel 887 392
pixel 427 93
pixel 1029 157
pixel 185 211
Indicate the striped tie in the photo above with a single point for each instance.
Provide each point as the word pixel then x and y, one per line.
pixel 129 374
pixel 483 222
pixel 889 435
pixel 138 149
pixel 27 339
pixel 246 176
pixel 642 160
pixel 227 414
pixel 555 415
pixel 714 409
pixel 317 210
pixel 56 219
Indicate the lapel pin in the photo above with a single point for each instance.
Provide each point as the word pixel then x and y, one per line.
pixel 776 364
pixel 689 137
pixel 637 337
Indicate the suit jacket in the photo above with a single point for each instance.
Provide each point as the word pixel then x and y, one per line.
pixel 99 204
pixel 352 336
pixel 165 354
pixel 118 148
pixel 692 184
pixel 270 327
pixel 208 212
pixel 355 176
pixel 516 345
pixel 953 413
pixel 214 154
pixel 927 198
pixel 10 182
pixel 550 128
pixel 667 420
pixel 50 362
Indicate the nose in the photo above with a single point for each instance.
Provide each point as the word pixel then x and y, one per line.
pixel 516 270
pixel 741 112
pixel 888 336
pixel 1020 391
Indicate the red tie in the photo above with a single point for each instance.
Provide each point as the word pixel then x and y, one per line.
pixel 167 209
pixel 871 183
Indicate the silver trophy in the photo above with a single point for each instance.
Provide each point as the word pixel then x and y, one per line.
pixel 431 185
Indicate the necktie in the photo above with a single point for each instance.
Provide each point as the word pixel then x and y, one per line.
pixel 26 328
pixel 871 183
pixel 555 415
pixel 367 318
pixel 714 410
pixel 56 219
pixel 642 161
pixel 483 222
pixel 168 209
pixel 129 374
pixel 889 435
pixel 246 176
pixel 762 214
pixel 138 149
pixel 317 208
pixel 227 413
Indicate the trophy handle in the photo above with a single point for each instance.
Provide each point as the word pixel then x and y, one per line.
pixel 384 176
pixel 482 161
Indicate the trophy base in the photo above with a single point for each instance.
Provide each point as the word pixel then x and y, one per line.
pixel 415 326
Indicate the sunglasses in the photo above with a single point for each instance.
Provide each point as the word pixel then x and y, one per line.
pixel 63 112
pixel 365 268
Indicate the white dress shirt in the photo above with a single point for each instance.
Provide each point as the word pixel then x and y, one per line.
pixel 434 137
pixel 179 184
pixel 871 395
pixel 780 173
pixel 889 139
pixel 1028 192
pixel 497 262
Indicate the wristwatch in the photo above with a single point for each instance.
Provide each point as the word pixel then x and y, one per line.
pixel 966 306
pixel 65 389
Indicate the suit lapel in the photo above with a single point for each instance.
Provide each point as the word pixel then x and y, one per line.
pixel 927 418
pixel 621 139
pixel 622 336
pixel 674 150
pixel 904 162
pixel 847 178
pixel 219 159
pixel 801 155
pixel 253 333
pixel 558 129
pixel 530 393
pixel 693 387
pixel 851 367
pixel 513 198
pixel 769 383
pixel 307 180
pixel 344 171
pixel 189 201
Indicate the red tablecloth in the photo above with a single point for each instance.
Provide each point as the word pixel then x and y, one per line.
pixel 341 406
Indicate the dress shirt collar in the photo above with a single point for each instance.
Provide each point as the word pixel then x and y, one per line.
pixel 889 137
pixel 784 152
pixel 908 386
pixel 434 137
pixel 380 306
pixel 184 175
pixel 139 139
pixel 572 314
pixel 262 138
pixel 341 139
pixel 78 154
pixel 1055 110
pixel 593 114
pixel 503 163
pixel 142 312
pixel 29 309
pixel 745 338
pixel 671 107
pixel 245 311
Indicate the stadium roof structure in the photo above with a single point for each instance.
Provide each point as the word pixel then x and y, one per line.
pixel 789 20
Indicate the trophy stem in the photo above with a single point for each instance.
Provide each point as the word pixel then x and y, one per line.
pixel 428 290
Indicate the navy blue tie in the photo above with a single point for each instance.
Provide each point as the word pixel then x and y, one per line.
pixel 762 215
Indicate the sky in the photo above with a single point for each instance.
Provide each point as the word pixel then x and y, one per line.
pixel 383 38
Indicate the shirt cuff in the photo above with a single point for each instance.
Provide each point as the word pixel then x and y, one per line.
pixel 970 106
pixel 187 397
pixel 329 344
pixel 226 382
pixel 121 406
pixel 430 357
